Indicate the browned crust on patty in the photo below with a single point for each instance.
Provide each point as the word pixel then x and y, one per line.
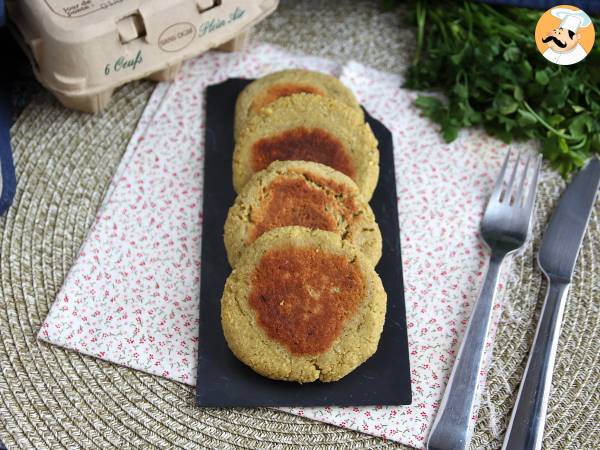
pixel 283 89
pixel 303 296
pixel 302 144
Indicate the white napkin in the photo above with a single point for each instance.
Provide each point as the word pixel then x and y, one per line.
pixel 132 295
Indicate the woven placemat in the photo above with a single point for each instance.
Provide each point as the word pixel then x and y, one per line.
pixel 53 398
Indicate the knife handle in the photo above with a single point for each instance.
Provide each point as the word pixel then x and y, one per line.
pixel 526 426
pixel 452 427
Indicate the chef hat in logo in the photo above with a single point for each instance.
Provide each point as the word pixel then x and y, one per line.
pixel 571 19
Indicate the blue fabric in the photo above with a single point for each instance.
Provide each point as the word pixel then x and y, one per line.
pixel 7 168
pixel 8 182
pixel 589 6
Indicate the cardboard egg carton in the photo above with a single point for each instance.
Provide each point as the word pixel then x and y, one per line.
pixel 81 50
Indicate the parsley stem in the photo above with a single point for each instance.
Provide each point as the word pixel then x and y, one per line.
pixel 547 125
pixel 469 17
pixel 421 15
pixel 592 87
pixel 579 145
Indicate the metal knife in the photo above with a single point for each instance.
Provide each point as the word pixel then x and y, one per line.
pixel 557 257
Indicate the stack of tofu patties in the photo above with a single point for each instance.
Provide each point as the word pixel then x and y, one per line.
pixel 303 302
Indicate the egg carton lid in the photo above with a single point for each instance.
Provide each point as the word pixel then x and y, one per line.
pixel 81 50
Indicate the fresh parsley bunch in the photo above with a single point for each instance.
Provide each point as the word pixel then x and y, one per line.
pixel 485 61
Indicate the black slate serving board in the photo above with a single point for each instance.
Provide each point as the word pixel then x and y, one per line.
pixel 223 380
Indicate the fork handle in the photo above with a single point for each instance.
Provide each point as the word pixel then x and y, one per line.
pixel 452 427
pixel 526 426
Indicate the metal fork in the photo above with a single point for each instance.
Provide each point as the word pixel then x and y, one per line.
pixel 504 228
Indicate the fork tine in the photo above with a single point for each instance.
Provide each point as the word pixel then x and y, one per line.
pixel 509 188
pixel 520 195
pixel 533 185
pixel 497 191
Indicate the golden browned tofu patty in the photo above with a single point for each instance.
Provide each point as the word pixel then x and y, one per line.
pixel 303 305
pixel 306 194
pixel 266 90
pixel 308 127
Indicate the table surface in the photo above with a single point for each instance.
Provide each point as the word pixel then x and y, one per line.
pixel 51 216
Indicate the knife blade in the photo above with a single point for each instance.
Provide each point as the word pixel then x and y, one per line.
pixel 563 237
pixel 557 257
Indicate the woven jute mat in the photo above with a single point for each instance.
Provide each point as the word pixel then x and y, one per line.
pixel 53 398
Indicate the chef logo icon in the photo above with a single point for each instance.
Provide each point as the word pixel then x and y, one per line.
pixel 564 35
